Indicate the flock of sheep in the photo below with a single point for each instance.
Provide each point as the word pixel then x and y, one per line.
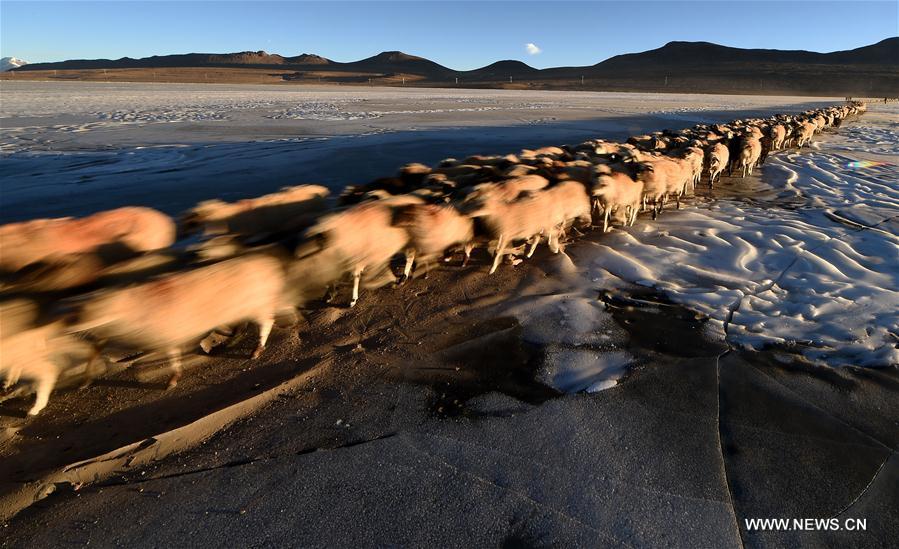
pixel 76 288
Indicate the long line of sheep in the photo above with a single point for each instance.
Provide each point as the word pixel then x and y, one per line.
pixel 75 288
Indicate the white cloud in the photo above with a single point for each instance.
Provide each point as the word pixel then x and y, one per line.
pixel 532 48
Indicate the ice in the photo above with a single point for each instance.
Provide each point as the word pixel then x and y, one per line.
pixel 821 279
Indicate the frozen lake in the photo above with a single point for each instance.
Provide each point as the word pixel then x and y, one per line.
pixel 72 148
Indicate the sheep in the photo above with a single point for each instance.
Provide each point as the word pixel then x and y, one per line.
pixel 167 313
pixel 749 155
pixel 805 132
pixel 577 170
pixel 394 200
pixel 501 162
pixel 643 142
pixel 115 234
pixel 820 122
pixel 778 134
pixel 694 157
pixel 289 208
pixel 570 202
pixel 655 185
pixel 85 271
pixel 612 190
pixel 543 213
pixel 35 350
pixel 364 236
pixel 552 152
pixel 718 159
pixel 433 229
pixel 518 170
pixel 678 177
pixel 65 273
pixel 414 174
pixel 457 170
pixel 766 143
pixel 507 190
pixel 353 194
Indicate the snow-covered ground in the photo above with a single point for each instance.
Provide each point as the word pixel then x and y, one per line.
pixel 812 267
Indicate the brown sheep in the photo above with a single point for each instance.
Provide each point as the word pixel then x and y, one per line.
pixel 719 156
pixel 433 229
pixel 507 190
pixel 804 134
pixel 120 233
pixel 170 312
pixel 750 152
pixel 363 236
pixel 290 208
pixel 613 190
pixel 35 351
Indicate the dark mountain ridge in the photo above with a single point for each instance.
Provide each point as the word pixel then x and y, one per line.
pixel 675 67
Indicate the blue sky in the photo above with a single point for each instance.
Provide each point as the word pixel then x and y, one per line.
pixel 461 34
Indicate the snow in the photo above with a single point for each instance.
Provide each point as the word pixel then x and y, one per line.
pixel 9 63
pixel 820 278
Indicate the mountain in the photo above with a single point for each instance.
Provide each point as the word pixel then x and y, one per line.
pixel 308 59
pixel 399 62
pixel 244 58
pixel 683 54
pixel 706 67
pixel 9 63
pixel 501 71
pixel 695 67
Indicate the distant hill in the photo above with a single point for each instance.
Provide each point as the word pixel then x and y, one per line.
pixel 500 71
pixel 674 67
pixel 685 54
pixel 398 62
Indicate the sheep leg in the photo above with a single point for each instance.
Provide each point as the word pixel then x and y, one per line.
pixel 467 251
pixel 175 357
pixel 45 383
pixel 553 241
pixel 357 275
pixel 407 270
pixel 498 253
pixel 534 242
pixel 12 377
pixel 605 220
pixel 265 328
pixel 596 207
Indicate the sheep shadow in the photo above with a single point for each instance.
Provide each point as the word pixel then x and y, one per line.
pixel 48 446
